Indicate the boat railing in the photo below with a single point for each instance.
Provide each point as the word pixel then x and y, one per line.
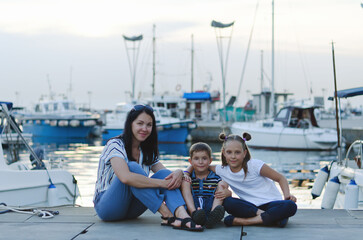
pixel 358 158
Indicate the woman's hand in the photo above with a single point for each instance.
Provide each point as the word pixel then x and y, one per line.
pixel 176 178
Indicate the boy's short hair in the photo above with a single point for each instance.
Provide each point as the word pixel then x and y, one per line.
pixel 200 146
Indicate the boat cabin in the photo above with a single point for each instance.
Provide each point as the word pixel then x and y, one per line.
pixel 297 117
pixel 55 106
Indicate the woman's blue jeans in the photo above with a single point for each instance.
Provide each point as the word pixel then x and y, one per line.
pixel 121 201
pixel 274 211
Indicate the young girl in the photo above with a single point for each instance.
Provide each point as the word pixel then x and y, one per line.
pixel 123 188
pixel 259 200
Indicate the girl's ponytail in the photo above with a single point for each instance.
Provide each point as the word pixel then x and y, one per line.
pixel 222 136
pixel 246 136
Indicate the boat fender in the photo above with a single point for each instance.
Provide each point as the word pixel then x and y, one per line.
pixel 351 195
pixel 74 123
pixel 52 195
pixel 175 126
pixel 63 123
pixel 319 183
pixel 89 123
pixel 330 194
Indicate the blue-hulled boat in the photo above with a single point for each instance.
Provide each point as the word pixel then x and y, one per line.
pixel 57 118
pixel 170 129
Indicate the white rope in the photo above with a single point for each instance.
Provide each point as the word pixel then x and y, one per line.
pixel 201 202
pixel 41 213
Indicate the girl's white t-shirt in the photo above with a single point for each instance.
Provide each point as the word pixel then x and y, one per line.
pixel 254 188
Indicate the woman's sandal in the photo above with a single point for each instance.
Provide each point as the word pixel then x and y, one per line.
pixel 199 216
pixel 169 221
pixel 184 226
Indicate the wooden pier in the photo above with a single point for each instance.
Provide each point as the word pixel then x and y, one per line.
pixel 82 223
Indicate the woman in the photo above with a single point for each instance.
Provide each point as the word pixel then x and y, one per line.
pixel 123 188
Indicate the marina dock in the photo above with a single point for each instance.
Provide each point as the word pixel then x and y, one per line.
pixel 82 223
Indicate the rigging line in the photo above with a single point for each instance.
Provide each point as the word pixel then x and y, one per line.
pixel 301 56
pixel 228 47
pixel 248 49
pixel 128 59
pixel 144 62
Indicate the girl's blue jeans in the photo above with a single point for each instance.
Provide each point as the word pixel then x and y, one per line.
pixel 274 211
pixel 121 201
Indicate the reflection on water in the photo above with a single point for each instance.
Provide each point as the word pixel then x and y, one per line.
pixel 81 159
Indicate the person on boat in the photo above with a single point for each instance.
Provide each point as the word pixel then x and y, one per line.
pixel 304 119
pixel 124 189
pixel 259 201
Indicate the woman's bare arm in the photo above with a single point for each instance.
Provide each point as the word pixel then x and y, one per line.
pixel 123 173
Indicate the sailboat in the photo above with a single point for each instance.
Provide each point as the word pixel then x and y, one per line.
pixel 285 130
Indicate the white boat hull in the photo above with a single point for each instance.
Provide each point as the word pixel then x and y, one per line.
pixel 275 136
pixel 21 188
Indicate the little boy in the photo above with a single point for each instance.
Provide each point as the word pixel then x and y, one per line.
pixel 205 191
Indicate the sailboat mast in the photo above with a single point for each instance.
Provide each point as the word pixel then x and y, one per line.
pixel 261 71
pixel 272 100
pixel 337 110
pixel 192 66
pixel 70 82
pixel 153 84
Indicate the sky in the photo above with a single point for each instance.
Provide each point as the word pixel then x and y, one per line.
pixel 75 47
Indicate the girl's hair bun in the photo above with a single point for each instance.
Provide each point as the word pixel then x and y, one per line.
pixel 222 136
pixel 246 136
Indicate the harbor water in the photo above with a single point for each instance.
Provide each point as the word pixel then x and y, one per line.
pixel 81 159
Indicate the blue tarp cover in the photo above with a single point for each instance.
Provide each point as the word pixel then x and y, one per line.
pixel 134 38
pixel 197 96
pixel 8 104
pixel 351 92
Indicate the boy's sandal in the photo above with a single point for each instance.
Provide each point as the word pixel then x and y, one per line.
pixel 184 226
pixel 215 216
pixel 169 221
pixel 199 216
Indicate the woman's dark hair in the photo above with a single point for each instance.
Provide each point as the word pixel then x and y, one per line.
pixel 149 147
pixel 234 137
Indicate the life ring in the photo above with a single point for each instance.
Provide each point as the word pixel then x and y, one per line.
pixel 177 87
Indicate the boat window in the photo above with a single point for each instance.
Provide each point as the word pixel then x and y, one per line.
pixel 163 112
pixel 69 106
pixel 38 108
pixel 66 105
pixel 46 107
pixel 55 106
pixel 282 114
pixel 50 107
